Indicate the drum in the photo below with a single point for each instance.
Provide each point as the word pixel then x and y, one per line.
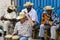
pixel 16 37
pixel 8 37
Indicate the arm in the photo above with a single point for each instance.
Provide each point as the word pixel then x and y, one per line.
pixel 56 19
pixel 31 22
pixel 15 30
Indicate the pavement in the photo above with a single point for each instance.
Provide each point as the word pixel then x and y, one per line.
pixel 1 38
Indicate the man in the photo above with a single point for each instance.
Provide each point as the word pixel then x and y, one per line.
pixel 49 20
pixel 10 15
pixel 32 13
pixel 3 6
pixel 24 27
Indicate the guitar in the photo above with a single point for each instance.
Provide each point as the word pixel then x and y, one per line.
pixel 46 20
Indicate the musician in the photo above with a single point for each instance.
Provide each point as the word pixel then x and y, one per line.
pixel 3 6
pixel 24 26
pixel 49 20
pixel 32 13
pixel 9 15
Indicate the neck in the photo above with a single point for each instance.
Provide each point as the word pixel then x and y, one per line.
pixel 29 10
pixel 22 21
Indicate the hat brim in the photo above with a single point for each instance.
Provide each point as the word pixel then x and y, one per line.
pixel 12 7
pixel 20 17
pixel 26 5
pixel 48 8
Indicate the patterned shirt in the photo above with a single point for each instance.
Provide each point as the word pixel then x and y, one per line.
pixel 54 18
pixel 24 29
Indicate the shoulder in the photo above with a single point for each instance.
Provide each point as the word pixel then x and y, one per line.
pixel 18 23
pixel 33 10
pixel 55 14
pixel 27 22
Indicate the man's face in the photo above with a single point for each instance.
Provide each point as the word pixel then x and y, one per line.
pixel 29 8
pixel 23 20
pixel 9 10
pixel 49 11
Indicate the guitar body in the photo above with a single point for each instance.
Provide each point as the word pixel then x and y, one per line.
pixel 46 19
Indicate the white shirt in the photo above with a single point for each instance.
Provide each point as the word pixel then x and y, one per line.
pixel 6 24
pixel 24 29
pixel 4 4
pixel 32 14
pixel 10 15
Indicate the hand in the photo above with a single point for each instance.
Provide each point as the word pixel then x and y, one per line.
pixel 24 12
pixel 26 15
pixel 14 34
pixel 51 23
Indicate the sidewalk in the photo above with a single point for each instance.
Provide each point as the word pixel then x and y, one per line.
pixel 1 38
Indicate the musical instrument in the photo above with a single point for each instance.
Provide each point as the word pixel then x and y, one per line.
pixel 8 37
pixel 46 19
pixel 16 37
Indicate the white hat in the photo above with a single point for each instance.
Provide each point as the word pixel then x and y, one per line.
pixel 15 37
pixel 21 15
pixel 48 8
pixel 12 7
pixel 28 4
pixel 8 36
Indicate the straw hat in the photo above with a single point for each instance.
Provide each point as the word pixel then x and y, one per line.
pixel 12 7
pixel 28 4
pixel 48 8
pixel 8 36
pixel 15 37
pixel 21 15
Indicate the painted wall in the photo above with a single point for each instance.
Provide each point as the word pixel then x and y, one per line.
pixel 39 4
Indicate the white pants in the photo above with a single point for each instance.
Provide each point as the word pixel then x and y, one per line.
pixel 52 31
pixel 6 25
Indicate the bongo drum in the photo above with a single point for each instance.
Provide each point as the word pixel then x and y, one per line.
pixel 16 37
pixel 8 37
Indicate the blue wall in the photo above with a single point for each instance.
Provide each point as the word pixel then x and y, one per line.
pixel 39 4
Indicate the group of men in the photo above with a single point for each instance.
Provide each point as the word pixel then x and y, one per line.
pixel 27 19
